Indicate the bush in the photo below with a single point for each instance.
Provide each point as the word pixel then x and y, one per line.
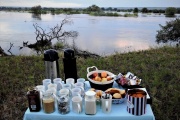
pixel 36 9
pixel 170 11
pixel 169 32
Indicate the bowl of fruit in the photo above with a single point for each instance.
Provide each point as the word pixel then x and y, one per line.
pixel 100 79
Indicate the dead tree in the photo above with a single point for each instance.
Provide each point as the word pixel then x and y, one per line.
pixel 44 39
pixel 3 53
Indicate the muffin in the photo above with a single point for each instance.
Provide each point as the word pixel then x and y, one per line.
pixel 123 93
pixel 99 93
pixel 117 96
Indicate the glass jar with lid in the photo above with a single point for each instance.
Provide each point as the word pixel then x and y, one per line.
pixel 63 104
pixel 48 102
pixel 90 103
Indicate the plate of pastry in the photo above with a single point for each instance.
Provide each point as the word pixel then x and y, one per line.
pixel 118 95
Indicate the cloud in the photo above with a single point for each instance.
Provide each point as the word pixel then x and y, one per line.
pixel 86 3
pixel 43 3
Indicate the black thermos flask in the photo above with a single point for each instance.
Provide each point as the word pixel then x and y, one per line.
pixel 69 60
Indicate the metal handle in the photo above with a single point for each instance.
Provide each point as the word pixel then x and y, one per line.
pixel 107 105
pixel 130 104
pixel 91 68
pixel 79 108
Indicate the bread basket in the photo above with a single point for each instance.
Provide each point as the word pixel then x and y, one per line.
pixel 96 84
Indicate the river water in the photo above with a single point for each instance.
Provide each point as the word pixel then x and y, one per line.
pixel 101 35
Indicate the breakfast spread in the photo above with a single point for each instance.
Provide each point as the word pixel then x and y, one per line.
pixel 100 92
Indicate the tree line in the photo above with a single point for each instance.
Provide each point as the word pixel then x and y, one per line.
pixel 94 8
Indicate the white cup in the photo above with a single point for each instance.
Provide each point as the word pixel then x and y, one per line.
pixel 58 82
pixel 70 81
pixel 64 91
pixel 81 86
pixel 46 82
pixel 77 104
pixel 51 90
pixel 106 103
pixel 76 92
pixel 52 86
pixel 82 80
pixel 68 86
pixel 41 89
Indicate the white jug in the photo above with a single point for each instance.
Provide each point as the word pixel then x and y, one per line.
pixel 90 103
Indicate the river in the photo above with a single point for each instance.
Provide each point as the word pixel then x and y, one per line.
pixel 101 35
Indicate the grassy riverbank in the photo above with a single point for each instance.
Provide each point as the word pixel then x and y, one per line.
pixel 158 68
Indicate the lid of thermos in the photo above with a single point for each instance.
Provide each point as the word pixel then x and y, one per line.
pixel 68 53
pixel 51 55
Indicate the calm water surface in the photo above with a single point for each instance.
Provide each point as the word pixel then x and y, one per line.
pixel 102 35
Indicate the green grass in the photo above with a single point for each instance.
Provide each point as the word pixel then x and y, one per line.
pixel 158 68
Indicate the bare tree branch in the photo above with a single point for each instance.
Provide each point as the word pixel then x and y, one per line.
pixel 9 50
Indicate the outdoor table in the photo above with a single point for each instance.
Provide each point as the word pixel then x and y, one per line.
pixel 118 112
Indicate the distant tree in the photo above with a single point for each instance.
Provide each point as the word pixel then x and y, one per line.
pixel 170 11
pixel 129 10
pixel 52 11
pixel 109 9
pixel 67 9
pixel 135 10
pixel 94 8
pixel 103 8
pixel 170 32
pixel 155 11
pixel 118 10
pixel 36 9
pixel 144 10
pixel 178 10
pixel 161 11
pixel 115 9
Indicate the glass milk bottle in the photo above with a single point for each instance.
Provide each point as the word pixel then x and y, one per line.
pixel 48 102
pixel 90 103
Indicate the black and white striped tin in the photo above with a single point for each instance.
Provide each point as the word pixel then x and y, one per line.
pixel 136 105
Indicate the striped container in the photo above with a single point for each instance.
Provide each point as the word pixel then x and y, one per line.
pixel 136 102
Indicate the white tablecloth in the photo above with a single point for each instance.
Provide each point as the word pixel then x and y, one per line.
pixel 118 112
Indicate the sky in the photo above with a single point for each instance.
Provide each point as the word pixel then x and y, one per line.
pixel 87 3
